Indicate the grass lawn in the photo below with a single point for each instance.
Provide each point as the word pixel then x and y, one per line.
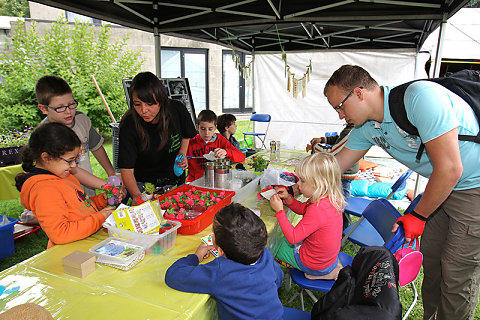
pixel 33 244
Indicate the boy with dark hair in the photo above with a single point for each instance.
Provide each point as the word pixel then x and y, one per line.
pixel 55 99
pixel 244 278
pixel 227 127
pixel 205 141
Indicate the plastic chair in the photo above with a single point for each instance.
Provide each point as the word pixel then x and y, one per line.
pixel 295 314
pixel 356 205
pixel 257 117
pixel 306 285
pixel 395 244
pixel 375 225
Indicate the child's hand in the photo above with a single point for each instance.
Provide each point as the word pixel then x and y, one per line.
pixel 276 203
pixel 203 252
pixel 220 153
pixel 283 194
pixel 122 193
pixel 107 211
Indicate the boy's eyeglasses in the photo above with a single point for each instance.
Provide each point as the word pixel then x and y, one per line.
pixel 70 162
pixel 339 107
pixel 71 106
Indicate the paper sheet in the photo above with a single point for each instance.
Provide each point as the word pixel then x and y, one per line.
pixel 268 194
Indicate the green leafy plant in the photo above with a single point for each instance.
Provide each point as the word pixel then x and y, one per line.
pixel 258 163
pixel 149 188
pixel 73 53
pixel 14 8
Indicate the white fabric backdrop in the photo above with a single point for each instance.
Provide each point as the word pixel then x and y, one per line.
pixel 296 121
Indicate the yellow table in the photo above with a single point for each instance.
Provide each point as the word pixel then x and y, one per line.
pixel 109 293
pixel 7 182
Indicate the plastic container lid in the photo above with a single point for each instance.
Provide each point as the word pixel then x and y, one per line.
pixel 142 239
pixel 116 251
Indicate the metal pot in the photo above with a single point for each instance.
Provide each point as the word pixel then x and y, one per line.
pixel 223 161
pixel 209 174
pixel 221 176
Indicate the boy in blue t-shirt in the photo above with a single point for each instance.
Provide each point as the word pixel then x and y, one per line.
pixel 244 278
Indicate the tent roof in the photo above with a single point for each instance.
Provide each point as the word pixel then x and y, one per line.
pixel 252 25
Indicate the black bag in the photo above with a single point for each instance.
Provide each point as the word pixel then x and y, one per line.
pixel 366 290
pixel 465 83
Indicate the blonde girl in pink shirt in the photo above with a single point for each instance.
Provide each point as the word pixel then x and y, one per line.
pixel 312 246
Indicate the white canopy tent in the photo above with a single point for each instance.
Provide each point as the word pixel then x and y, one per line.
pixel 461 38
pixel 295 121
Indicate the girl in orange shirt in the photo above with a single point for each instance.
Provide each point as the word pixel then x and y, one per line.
pixel 48 189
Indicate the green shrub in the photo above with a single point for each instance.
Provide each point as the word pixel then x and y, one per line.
pixel 73 52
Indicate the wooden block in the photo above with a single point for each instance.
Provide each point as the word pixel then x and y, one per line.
pixel 79 264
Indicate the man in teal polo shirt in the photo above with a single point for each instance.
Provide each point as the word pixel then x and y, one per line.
pixel 451 237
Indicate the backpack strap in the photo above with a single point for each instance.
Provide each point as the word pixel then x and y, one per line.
pixel 396 105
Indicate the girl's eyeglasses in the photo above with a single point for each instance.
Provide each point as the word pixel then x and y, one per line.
pixel 70 162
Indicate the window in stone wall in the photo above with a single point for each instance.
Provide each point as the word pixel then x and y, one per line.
pixel 72 17
pixel 192 64
pixel 237 90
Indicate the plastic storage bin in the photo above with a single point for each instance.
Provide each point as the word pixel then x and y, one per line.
pixel 152 243
pixel 196 225
pixel 7 247
pixel 118 253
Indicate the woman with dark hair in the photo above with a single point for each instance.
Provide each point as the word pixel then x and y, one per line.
pixel 47 188
pixel 153 132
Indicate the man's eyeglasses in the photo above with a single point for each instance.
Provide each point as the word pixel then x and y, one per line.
pixel 339 107
pixel 70 162
pixel 71 106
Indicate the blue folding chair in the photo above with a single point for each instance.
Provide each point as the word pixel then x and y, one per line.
pixel 356 205
pixel 257 117
pixel 306 285
pixel 374 228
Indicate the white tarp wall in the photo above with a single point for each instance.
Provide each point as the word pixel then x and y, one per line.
pixel 296 121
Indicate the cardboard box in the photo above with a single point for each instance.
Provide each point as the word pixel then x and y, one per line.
pixel 79 264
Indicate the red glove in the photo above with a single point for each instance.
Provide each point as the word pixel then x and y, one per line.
pixel 413 224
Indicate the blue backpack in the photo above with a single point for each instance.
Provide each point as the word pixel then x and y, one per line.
pixel 465 83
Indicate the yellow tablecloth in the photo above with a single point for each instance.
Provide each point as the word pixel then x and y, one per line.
pixel 109 293
pixel 7 182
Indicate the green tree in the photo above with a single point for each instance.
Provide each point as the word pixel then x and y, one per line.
pixel 73 52
pixel 14 8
